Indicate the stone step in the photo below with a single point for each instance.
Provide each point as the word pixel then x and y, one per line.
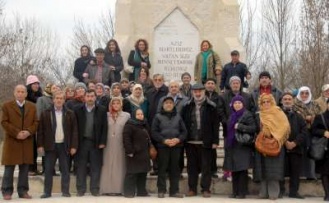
pixel 218 186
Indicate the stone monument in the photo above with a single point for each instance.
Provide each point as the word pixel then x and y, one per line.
pixel 175 29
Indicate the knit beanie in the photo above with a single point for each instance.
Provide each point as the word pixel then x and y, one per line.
pixel 233 78
pixel 80 84
pixel 32 79
pixel 237 98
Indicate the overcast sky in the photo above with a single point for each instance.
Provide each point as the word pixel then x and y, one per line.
pixel 59 15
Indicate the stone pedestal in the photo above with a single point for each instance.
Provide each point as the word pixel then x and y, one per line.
pixel 175 29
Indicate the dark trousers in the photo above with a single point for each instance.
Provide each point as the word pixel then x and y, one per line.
pixel 214 161
pixel 240 182
pixel 294 167
pixel 181 159
pixel 8 179
pixel 50 161
pixel 34 167
pixel 198 160
pixel 87 153
pixel 168 161
pixel 135 181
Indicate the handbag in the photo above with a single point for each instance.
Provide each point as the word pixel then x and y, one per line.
pixel 243 138
pixel 268 146
pixel 153 152
pixel 319 145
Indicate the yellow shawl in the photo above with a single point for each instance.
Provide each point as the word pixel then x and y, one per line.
pixel 273 120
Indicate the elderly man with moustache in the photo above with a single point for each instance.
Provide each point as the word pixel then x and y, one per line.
pixel 19 120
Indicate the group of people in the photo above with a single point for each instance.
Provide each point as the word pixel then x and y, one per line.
pixel 104 126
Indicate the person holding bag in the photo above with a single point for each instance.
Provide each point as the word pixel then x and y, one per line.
pixel 238 156
pixel 320 129
pixel 273 125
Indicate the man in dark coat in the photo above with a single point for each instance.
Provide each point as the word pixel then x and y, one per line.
pixel 92 128
pixel 210 85
pixel 19 120
pixel 101 71
pixel 153 96
pixel 202 124
pixel 265 86
pixel 234 68
pixel 57 138
pixel 293 146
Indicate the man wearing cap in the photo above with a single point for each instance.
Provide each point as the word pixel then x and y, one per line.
pixel 265 86
pixel 235 67
pixel 210 86
pixel 322 100
pixel 101 71
pixel 202 124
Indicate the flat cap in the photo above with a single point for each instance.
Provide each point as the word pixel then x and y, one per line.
pixel 198 87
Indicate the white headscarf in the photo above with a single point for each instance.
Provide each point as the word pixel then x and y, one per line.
pixel 303 89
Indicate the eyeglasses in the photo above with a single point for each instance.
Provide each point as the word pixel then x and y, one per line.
pixel 264 102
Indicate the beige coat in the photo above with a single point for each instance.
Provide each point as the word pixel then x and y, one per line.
pixel 322 103
pixel 213 57
pixel 16 152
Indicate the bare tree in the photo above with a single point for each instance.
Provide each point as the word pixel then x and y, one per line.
pixel 96 35
pixel 314 50
pixel 279 37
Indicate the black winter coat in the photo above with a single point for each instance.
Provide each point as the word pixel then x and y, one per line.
pixel 229 70
pixel 318 130
pixel 116 61
pixel 100 124
pixel 168 126
pixel 153 96
pixel 80 66
pixel 298 133
pixel 136 142
pixel 209 122
pixel 240 157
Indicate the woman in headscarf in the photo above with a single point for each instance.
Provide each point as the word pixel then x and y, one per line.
pixel 136 101
pixel 114 166
pixel 136 142
pixel 114 59
pixel 238 157
pixel 101 98
pixel 308 109
pixel 138 58
pixel 81 63
pixel 116 90
pixel 320 129
pixel 269 170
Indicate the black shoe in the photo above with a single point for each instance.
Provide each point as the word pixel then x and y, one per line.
pixel 161 195
pixel 95 194
pixel 143 195
pixel 297 196
pixel 232 196
pixel 241 197
pixel 129 196
pixel 80 194
pixel 154 173
pixel 66 194
pixel 177 195
pixel 326 199
pixel 45 196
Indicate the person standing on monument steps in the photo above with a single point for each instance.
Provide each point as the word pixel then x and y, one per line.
pixel 82 62
pixel 202 124
pixel 57 139
pixel 234 68
pixel 207 64
pixel 92 128
pixel 19 120
pixel 139 57
pixel 114 59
